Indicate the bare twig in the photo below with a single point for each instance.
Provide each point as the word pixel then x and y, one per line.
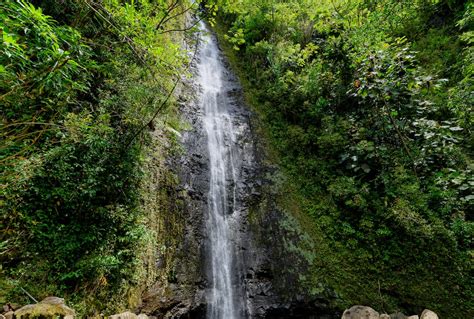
pixel 32 123
pixel 174 16
pixel 185 29
pixel 173 6
pixel 26 292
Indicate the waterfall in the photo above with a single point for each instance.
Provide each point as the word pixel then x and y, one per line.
pixel 224 297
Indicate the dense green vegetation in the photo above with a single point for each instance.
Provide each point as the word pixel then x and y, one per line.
pixel 81 82
pixel 368 106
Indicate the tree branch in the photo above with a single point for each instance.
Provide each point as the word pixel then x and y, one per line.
pixel 176 15
pixel 173 6
pixel 184 29
pixel 162 105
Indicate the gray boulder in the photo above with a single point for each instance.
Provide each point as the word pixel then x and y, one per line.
pixel 428 314
pixel 53 300
pixel 124 315
pixel 360 312
pixel 398 315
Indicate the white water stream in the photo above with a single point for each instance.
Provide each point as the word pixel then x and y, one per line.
pixel 223 301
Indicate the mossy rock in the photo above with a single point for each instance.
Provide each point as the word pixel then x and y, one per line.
pixel 49 308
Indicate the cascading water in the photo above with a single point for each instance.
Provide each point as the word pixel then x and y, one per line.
pixel 223 298
pixel 229 214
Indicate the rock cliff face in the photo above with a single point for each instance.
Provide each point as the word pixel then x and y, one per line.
pixel 266 272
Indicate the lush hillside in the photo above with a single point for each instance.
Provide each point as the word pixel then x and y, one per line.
pixel 368 109
pixel 81 82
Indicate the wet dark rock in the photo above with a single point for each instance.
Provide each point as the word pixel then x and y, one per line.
pixel 266 286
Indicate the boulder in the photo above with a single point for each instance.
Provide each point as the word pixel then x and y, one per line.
pixel 10 307
pixel 49 307
pixel 9 315
pixel 398 315
pixel 53 300
pixel 2 316
pixel 413 317
pixel 384 316
pixel 360 312
pixel 124 315
pixel 428 314
pixel 142 316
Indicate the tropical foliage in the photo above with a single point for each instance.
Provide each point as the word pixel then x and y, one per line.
pixel 81 83
pixel 368 105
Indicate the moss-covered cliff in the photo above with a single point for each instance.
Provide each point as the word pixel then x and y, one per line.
pixel 359 103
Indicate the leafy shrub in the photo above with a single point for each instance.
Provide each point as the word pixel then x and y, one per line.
pixel 79 83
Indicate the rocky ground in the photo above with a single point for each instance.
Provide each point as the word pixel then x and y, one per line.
pixel 52 307
pixel 363 312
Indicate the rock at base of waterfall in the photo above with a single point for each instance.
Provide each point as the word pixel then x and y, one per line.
pixel 49 307
pixel 124 315
pixel 428 314
pixel 398 315
pixel 10 307
pixel 53 300
pixel 128 315
pixel 360 312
